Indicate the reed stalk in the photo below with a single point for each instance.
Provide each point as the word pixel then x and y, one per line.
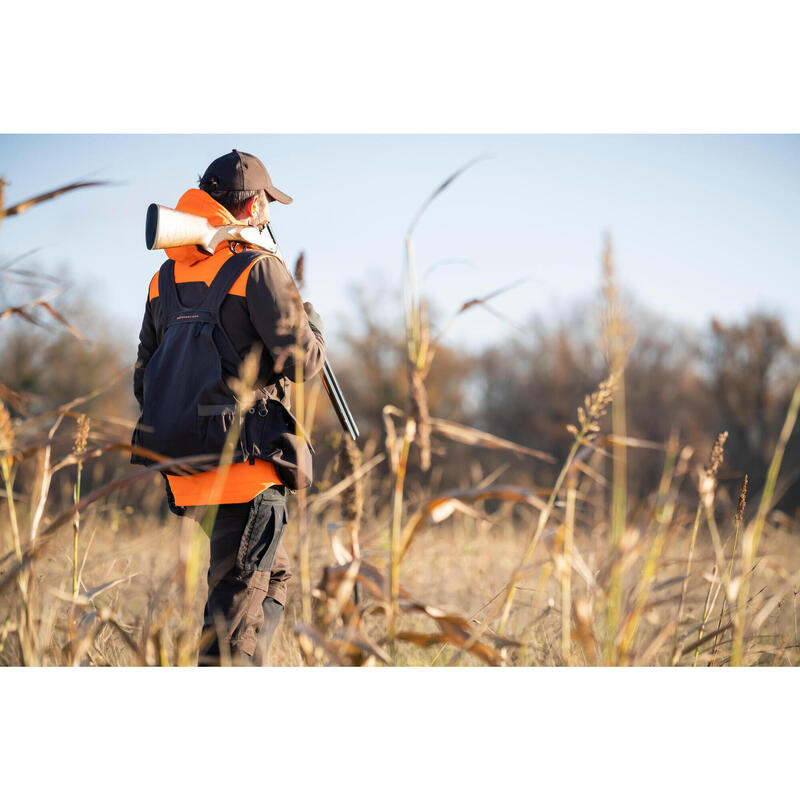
pixel 737 524
pixel 419 357
pixel 8 483
pixel 707 606
pixel 706 488
pixel 192 546
pixel 752 534
pixel 44 483
pixel 397 524
pixel 710 601
pixel 616 335
pixel 566 573
pixel 25 621
pixel 663 511
pixel 593 409
pixel 7 469
pixel 685 582
pixel 352 501
pixel 78 448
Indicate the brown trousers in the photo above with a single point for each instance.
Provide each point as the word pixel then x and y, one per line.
pixel 248 574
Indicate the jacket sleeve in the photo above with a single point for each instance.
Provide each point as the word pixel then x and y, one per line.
pixel 148 342
pixel 277 314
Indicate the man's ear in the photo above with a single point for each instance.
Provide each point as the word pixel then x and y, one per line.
pixel 252 207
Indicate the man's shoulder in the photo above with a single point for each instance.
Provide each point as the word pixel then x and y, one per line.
pixel 153 291
pixel 255 269
pixel 266 263
pixel 266 272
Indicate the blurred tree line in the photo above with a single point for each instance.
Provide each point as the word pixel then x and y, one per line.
pixel 734 377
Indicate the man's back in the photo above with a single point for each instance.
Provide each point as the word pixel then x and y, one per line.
pixel 262 309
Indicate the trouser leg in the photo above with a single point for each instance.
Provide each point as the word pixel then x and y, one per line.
pixel 280 575
pixel 272 611
pixel 244 543
pixel 274 602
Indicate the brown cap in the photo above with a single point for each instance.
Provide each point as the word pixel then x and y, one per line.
pixel 241 172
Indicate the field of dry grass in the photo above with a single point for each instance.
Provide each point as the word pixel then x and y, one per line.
pixel 390 570
pixel 142 589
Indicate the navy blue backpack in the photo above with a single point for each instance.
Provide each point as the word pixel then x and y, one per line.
pixel 188 406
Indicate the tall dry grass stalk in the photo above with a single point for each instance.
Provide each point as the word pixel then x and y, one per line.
pixel 25 622
pixel 417 426
pixel 400 461
pixel 7 468
pixel 753 532
pixel 617 342
pixel 43 483
pixel 741 504
pixel 566 569
pixel 616 335
pixel 589 416
pixel 707 486
pixel 352 503
pixel 78 449
pixel 663 512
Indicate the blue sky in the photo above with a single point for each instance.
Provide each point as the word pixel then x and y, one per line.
pixel 702 225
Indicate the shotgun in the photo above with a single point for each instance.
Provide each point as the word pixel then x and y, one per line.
pixel 166 227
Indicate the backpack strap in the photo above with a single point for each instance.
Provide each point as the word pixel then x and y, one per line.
pixel 226 276
pixel 223 281
pixel 167 291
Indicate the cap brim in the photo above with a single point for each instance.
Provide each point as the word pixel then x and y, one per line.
pixel 277 194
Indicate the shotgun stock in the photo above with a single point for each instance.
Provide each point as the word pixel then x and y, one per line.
pixel 166 227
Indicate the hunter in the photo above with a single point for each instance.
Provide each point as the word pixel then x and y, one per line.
pixel 204 315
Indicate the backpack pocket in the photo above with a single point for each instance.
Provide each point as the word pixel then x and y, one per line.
pixel 269 432
pixel 213 424
pixel 293 461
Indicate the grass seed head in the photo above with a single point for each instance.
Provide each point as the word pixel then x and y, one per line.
pixel 599 400
pixel 594 407
pixel 717 454
pixel 81 434
pixel 742 501
pixel 707 484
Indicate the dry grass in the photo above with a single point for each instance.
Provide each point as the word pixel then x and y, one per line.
pixel 391 572
pixel 460 564
pixel 485 574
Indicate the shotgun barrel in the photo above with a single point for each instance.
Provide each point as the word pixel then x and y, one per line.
pixel 338 402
